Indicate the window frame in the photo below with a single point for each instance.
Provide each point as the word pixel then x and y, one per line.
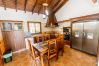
pixel 35 27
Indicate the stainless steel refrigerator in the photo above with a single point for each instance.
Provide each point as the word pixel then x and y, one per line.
pixel 85 36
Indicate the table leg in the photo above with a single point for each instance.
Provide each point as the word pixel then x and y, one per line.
pixel 42 60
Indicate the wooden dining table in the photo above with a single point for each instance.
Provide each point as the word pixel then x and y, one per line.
pixel 42 49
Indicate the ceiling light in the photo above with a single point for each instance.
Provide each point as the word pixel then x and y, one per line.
pixel 45 4
pixel 46 12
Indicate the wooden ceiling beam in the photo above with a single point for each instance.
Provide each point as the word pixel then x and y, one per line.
pixel 51 3
pixel 34 6
pixel 25 4
pixel 4 3
pixel 41 6
pixel 56 4
pixel 94 1
pixel 16 5
pixel 61 3
pixel 39 10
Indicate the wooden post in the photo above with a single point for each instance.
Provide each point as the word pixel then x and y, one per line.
pixel 1 60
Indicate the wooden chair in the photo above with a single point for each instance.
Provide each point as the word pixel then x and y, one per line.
pixel 36 39
pixel 60 44
pixel 41 38
pixel 33 53
pixel 52 50
pixel 47 37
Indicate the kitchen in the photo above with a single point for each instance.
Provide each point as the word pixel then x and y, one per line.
pixel 71 25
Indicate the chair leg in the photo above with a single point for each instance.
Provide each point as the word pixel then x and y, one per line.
pixel 48 62
pixel 56 56
pixel 35 64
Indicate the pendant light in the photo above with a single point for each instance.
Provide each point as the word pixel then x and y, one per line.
pixel 46 13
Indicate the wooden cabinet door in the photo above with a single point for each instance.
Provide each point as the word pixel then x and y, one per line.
pixel 19 40
pixel 8 37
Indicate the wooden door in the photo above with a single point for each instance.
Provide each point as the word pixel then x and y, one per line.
pixel 13 35
pixel 19 40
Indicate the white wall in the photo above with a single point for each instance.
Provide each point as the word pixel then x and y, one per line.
pixel 77 8
pixel 11 14
pixel 44 29
pixel 61 25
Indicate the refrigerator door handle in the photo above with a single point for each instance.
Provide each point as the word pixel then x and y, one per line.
pixel 84 34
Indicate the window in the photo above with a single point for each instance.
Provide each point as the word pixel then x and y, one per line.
pixel 34 27
pixel 8 26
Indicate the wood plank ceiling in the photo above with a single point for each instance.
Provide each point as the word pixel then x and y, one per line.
pixel 34 6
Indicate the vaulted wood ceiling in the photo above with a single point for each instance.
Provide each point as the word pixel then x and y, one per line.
pixel 34 6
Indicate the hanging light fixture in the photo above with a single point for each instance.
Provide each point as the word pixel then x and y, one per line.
pixel 46 13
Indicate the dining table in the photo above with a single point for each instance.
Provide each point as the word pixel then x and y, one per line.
pixel 42 48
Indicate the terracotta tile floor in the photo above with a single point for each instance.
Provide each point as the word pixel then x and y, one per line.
pixel 71 57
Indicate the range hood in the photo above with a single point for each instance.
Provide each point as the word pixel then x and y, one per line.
pixel 52 21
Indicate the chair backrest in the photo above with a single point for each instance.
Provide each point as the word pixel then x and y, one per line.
pixel 41 38
pixel 60 39
pixel 47 37
pixel 52 46
pixel 31 49
pixel 36 39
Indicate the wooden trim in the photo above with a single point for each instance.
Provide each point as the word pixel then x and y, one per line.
pixel 10 21
pixel 34 22
pixel 87 17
